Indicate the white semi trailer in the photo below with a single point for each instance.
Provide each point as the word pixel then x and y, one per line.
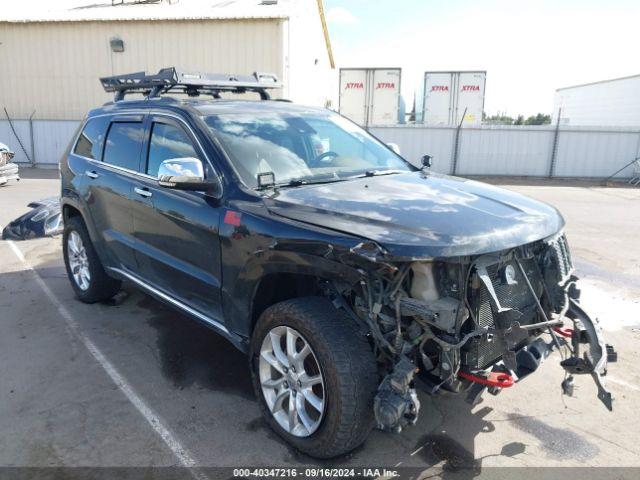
pixel 606 103
pixel 370 96
pixel 448 96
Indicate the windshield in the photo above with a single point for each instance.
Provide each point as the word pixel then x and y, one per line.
pixel 302 148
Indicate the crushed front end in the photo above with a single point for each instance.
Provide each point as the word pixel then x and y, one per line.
pixel 467 324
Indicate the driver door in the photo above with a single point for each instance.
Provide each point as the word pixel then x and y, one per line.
pixel 178 248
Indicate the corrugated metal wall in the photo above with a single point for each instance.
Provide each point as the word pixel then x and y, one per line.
pixel 504 152
pixel 595 153
pixel 8 138
pixel 53 68
pixel 518 151
pixel 510 151
pixel 50 139
pixel 414 142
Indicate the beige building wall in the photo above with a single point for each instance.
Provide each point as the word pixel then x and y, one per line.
pixel 53 68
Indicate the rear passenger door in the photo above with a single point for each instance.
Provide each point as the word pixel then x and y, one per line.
pixel 110 184
pixel 178 248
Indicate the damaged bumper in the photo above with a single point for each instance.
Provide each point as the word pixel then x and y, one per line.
pixel 468 324
pixel 528 359
pixel 43 220
pixel 593 360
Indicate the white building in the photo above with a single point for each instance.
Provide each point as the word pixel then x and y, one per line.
pixel 606 103
pixel 52 59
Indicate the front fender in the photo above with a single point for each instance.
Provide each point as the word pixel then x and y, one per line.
pixel 262 246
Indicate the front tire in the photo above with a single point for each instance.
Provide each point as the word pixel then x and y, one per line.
pixel 315 376
pixel 87 276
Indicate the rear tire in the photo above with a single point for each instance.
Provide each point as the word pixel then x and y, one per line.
pixel 347 366
pixel 87 276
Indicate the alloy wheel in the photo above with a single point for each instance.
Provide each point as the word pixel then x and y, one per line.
pixel 78 261
pixel 292 381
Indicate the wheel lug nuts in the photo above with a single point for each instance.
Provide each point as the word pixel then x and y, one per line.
pixel 293 369
pixel 299 383
pixel 286 385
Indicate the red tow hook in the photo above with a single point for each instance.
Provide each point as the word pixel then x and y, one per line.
pixel 563 331
pixel 494 379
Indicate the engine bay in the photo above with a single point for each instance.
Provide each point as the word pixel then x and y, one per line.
pixel 468 324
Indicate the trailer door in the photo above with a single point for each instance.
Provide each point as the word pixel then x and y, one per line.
pixel 353 95
pixel 385 97
pixel 471 97
pixel 437 98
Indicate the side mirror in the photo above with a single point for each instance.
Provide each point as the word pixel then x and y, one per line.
pixel 427 161
pixel 394 147
pixel 186 174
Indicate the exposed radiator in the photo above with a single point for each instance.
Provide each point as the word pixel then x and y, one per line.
pixel 483 351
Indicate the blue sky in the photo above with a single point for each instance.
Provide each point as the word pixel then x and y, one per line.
pixel 529 48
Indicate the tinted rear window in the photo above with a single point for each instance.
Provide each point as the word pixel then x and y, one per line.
pixel 90 140
pixel 122 148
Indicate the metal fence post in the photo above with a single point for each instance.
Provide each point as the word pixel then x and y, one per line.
pixel 456 145
pixel 33 147
pixel 554 147
pixel 15 134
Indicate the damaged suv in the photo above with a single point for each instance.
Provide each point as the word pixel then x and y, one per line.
pixel 351 278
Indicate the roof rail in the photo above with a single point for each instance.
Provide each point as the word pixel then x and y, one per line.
pixel 190 83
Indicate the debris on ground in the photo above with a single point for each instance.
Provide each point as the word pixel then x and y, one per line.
pixel 43 220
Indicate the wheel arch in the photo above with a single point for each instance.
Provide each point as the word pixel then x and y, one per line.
pixel 278 286
pixel 71 208
pixel 70 211
pixel 279 276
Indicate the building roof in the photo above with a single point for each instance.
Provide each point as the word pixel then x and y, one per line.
pixel 40 11
pixel 598 82
pixel 131 10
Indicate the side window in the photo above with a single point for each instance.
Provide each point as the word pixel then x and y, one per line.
pixel 122 148
pixel 90 140
pixel 167 141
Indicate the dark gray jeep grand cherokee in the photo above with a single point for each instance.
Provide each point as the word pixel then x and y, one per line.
pixel 350 277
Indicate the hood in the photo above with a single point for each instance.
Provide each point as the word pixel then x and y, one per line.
pixel 417 215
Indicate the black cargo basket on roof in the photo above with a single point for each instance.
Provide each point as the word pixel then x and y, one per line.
pixel 190 83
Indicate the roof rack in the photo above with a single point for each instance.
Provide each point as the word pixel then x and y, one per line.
pixel 190 83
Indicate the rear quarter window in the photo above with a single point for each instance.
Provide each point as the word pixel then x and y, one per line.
pixel 90 141
pixel 123 144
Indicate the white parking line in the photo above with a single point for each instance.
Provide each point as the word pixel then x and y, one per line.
pixel 417 451
pixel 150 416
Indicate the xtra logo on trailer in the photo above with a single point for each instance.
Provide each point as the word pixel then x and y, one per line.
pixel 385 85
pixel 440 88
pixel 470 88
pixel 357 85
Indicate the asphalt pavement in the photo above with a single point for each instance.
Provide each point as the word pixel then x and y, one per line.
pixel 135 383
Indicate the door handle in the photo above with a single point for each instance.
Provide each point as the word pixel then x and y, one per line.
pixel 144 192
pixel 91 174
